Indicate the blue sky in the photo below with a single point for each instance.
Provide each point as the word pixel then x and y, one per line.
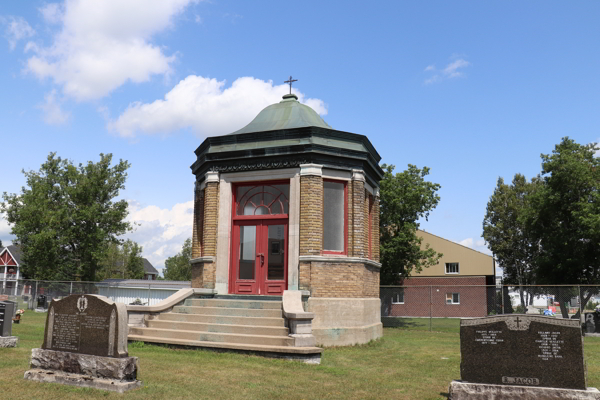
pixel 473 90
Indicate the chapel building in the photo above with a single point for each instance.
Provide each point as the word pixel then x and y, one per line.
pixel 288 203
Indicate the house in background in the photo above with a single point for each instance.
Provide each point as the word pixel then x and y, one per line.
pixel 462 284
pixel 150 273
pixel 10 262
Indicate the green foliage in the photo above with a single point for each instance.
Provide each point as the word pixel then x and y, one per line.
pixel 66 216
pixel 404 198
pixel 519 310
pixel 178 267
pixel 564 215
pixel 506 234
pixel 591 305
pixel 121 261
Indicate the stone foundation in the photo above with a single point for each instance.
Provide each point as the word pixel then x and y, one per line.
pixel 345 321
pixel 9 341
pixel 107 373
pixel 481 391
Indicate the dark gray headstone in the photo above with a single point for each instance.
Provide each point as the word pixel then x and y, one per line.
pixel 87 324
pixel 7 310
pixel 522 350
pixel 592 322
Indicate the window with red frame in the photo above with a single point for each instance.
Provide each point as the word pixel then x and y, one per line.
pixel 335 217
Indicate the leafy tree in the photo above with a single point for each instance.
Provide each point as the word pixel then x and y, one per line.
pixel 565 216
pixel 178 267
pixel 404 198
pixel 66 216
pixel 121 261
pixel 507 237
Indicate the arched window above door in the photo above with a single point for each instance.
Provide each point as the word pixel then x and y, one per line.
pixel 262 199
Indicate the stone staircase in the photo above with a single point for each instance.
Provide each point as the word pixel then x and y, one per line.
pixel 229 323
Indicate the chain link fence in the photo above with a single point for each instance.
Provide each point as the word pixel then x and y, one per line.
pixel 35 294
pixel 440 307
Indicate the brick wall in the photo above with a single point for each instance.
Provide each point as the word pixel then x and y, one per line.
pixel 375 232
pixel 330 279
pixel 211 217
pixel 419 293
pixel 204 236
pixel 358 219
pixel 198 226
pixel 311 215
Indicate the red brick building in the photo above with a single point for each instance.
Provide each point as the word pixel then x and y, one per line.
pixel 460 285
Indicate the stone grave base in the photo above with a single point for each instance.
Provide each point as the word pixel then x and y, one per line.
pixel 9 341
pixel 107 373
pixel 481 391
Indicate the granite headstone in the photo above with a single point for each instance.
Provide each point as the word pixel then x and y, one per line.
pixel 6 315
pixel 87 324
pixel 592 322
pixel 85 344
pixel 522 350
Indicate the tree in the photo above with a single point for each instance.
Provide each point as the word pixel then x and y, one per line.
pixel 121 261
pixel 565 216
pixel 507 237
pixel 66 216
pixel 404 198
pixel 178 267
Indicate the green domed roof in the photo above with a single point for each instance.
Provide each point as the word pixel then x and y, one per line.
pixel 286 114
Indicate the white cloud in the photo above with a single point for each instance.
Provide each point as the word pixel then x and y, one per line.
pixel 53 113
pixel 206 106
pixel 479 245
pixel 16 29
pixel 5 235
pixel 468 242
pixel 161 232
pixel 598 146
pixel 52 12
pixel 451 71
pixel 103 44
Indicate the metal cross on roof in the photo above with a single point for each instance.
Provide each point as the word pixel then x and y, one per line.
pixel 290 82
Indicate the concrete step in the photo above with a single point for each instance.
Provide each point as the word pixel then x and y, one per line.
pixel 212 336
pixel 220 319
pixel 307 354
pixel 219 328
pixel 239 312
pixel 253 304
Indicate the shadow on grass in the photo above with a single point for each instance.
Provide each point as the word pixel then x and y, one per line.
pixel 396 322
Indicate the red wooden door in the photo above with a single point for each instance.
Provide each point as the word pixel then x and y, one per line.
pixel 259 259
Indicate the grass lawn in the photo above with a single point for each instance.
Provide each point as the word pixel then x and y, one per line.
pixel 406 363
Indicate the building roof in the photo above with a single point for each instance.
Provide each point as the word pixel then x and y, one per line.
pixel 15 252
pixel 148 268
pixel 287 114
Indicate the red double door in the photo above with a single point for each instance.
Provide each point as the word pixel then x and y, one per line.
pixel 259 257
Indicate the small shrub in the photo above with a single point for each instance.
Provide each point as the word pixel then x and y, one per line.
pixel 519 310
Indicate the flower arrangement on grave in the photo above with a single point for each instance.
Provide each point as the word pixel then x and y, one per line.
pixel 18 314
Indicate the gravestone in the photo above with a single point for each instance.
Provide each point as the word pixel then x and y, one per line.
pixel 6 316
pixel 42 302
pixel 522 356
pixel 592 323
pixel 85 344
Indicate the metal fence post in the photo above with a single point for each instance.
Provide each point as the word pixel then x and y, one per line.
pixel 580 303
pixel 149 285
pixel 71 289
pixel 430 313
